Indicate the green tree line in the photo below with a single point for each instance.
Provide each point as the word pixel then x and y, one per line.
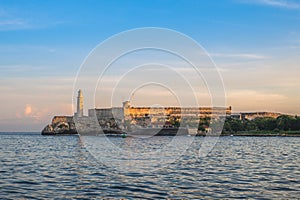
pixel 281 123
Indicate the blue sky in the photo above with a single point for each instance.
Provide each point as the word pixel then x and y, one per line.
pixel 256 45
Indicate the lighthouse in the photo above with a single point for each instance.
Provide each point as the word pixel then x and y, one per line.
pixel 79 104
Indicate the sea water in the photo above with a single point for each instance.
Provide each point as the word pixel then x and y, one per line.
pixel 60 167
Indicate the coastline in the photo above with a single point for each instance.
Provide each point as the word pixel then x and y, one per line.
pixel 263 134
pixel 173 132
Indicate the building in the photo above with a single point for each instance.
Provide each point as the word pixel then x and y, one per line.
pixel 193 112
pixel 156 116
pixel 79 112
pixel 146 116
pixel 253 115
pixel 129 112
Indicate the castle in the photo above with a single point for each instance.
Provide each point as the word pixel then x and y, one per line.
pixel 156 116
pixel 119 118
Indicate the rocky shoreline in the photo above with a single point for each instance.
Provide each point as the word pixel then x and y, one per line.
pixel 60 125
pixel 65 125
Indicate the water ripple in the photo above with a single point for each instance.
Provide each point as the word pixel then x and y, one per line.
pixel 36 167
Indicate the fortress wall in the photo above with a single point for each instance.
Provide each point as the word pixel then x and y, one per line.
pixel 253 115
pixel 107 113
pixel 177 111
pixel 128 112
pixel 87 125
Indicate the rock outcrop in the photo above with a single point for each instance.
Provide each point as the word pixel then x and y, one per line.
pixel 48 130
pixel 60 125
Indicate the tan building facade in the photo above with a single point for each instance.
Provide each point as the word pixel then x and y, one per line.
pixel 180 112
pixel 157 116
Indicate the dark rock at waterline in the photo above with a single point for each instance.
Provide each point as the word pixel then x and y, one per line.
pixel 59 129
pixel 48 130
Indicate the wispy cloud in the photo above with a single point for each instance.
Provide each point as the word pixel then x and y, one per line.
pixel 21 24
pixel 23 70
pixel 275 3
pixel 18 19
pixel 240 55
pixel 12 24
pixel 33 113
pixel 249 100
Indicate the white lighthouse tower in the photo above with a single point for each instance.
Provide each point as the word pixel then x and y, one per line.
pixel 79 104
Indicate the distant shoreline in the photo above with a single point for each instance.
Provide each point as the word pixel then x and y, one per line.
pixel 238 134
pixel 264 134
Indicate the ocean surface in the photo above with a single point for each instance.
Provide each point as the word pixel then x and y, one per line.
pixel 60 167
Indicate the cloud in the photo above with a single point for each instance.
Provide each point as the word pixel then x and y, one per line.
pixel 251 100
pixel 240 55
pixel 281 3
pixel 287 4
pixel 27 110
pixel 18 116
pixel 13 24
pixel 255 95
pixel 32 113
pixel 20 19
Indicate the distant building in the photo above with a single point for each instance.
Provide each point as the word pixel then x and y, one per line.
pixel 107 113
pixel 193 112
pixel 253 115
pixel 156 116
pixel 127 116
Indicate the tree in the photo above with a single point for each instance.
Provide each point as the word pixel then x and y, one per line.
pixel 236 125
pixel 250 125
pixel 284 122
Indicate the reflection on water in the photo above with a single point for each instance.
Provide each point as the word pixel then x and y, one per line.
pixel 34 166
pixel 134 154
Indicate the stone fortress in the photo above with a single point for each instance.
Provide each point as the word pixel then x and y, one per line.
pixel 116 119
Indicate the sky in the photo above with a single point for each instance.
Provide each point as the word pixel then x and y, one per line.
pixel 254 43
